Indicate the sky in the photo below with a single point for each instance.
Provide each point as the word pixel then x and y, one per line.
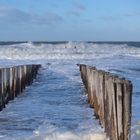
pixel 69 20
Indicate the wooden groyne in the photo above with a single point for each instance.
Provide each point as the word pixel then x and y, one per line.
pixel 111 97
pixel 13 81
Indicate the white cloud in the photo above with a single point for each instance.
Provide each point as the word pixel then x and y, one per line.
pixel 79 6
pixel 132 14
pixel 13 15
pixel 109 18
pixel 78 9
pixel 73 13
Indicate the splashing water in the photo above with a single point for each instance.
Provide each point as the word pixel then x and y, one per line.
pixel 55 107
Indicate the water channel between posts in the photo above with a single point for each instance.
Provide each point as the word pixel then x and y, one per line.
pixel 53 108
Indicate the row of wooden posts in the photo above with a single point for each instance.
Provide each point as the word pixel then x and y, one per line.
pixel 111 97
pixel 13 81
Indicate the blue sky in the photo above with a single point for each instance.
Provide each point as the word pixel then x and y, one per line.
pixel 81 20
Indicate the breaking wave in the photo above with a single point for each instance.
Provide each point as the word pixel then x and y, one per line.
pixel 67 50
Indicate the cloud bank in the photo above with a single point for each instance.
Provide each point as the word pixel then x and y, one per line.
pixel 78 9
pixel 14 15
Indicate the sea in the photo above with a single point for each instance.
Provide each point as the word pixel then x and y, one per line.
pixel 55 106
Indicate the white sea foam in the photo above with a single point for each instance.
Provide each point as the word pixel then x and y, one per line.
pixel 68 136
pixel 71 50
pixel 135 131
pixel 64 134
pixel 62 59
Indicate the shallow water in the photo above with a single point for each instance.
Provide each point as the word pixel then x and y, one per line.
pixel 55 107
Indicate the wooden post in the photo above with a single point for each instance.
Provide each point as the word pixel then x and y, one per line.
pixel 3 86
pixel 1 90
pixel 101 94
pixel 13 80
pixel 11 97
pixel 111 98
pixel 127 103
pixel 17 83
pixel 7 76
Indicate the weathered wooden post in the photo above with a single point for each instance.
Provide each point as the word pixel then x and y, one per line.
pixel 13 80
pixel 16 82
pixel 101 94
pixel 111 98
pixel 3 86
pixel 127 101
pixel 1 90
pixel 29 75
pixel 7 88
pixel 11 96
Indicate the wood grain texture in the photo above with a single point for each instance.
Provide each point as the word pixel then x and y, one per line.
pixel 111 98
pixel 13 80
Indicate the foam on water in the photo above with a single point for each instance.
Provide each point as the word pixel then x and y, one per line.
pixel 53 108
pixel 71 50
pixel 118 58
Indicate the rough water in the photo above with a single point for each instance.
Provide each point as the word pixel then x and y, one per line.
pixel 55 107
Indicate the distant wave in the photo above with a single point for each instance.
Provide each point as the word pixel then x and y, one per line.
pixel 65 50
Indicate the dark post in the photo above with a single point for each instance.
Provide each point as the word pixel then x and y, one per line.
pixel 111 98
pixel 13 80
